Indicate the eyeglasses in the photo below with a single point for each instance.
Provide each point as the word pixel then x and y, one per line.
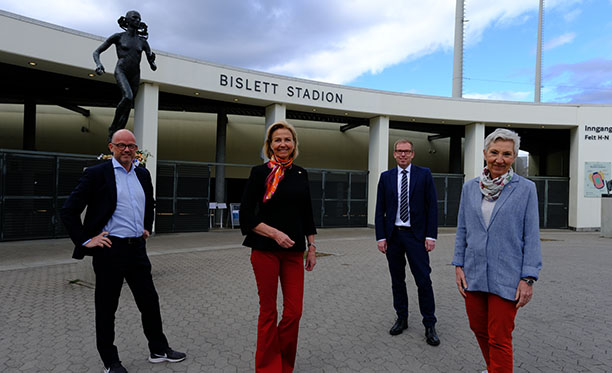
pixel 403 151
pixel 122 146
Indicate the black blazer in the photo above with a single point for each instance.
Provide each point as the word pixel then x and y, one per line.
pixel 289 210
pixel 422 200
pixel 97 191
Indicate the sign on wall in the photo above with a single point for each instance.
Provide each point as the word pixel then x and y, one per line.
pixel 274 88
pixel 597 133
pixel 596 174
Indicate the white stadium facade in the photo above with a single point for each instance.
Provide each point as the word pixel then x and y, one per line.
pixel 204 124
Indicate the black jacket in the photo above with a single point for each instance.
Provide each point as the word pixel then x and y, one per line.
pixel 97 191
pixel 289 210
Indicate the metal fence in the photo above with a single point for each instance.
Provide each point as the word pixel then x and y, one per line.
pixel 34 186
pixel 339 198
pixel 448 189
pixel 182 194
pixel 553 200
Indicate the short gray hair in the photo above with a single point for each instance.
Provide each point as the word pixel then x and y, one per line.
pixel 504 135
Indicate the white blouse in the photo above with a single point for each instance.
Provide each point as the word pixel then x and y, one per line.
pixel 487 210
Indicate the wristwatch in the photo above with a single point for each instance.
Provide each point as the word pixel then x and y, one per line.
pixel 528 280
pixel 309 244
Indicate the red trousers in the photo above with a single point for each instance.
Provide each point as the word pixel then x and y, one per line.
pixel 277 343
pixel 492 321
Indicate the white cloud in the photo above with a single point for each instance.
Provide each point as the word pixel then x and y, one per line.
pixel 398 34
pixel 482 14
pixel 329 40
pixel 572 15
pixel 559 41
pixel 500 95
pixel 587 81
pixel 77 14
pixel 402 33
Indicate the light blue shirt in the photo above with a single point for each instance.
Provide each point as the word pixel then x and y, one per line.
pixel 128 218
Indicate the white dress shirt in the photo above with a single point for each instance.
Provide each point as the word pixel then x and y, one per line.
pixel 398 220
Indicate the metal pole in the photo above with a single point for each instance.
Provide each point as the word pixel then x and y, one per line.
pixel 538 74
pixel 458 55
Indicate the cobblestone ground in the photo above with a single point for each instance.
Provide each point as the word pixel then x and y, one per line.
pixel 209 305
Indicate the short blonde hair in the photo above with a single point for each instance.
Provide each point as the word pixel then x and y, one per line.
pixel 281 124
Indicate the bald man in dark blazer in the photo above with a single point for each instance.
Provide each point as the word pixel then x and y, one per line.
pixel 119 218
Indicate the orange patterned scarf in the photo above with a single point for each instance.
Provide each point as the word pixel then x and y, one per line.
pixel 275 177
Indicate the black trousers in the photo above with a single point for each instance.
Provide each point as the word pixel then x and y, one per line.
pixel 403 244
pixel 125 261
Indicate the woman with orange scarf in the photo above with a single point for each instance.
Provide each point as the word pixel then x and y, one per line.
pixel 276 217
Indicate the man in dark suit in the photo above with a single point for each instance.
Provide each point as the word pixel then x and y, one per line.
pixel 406 227
pixel 119 218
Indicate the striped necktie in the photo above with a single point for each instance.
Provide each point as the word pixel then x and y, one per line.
pixel 404 197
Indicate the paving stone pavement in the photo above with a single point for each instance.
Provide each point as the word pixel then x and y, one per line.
pixel 209 305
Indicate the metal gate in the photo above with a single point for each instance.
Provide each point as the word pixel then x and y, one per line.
pixel 448 189
pixel 553 200
pixel 33 187
pixel 339 198
pixel 182 193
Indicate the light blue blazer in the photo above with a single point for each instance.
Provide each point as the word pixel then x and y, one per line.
pixel 494 258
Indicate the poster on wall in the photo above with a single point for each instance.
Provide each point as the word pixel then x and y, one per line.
pixel 596 176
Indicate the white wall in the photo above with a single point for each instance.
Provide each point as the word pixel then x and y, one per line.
pixel 191 137
pixel 585 213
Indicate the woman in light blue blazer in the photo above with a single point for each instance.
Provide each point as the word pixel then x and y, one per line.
pixel 497 249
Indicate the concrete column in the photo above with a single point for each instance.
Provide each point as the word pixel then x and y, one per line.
pixel 576 177
pixel 454 155
pixel 146 124
pixel 29 124
pixel 220 157
pixel 606 215
pixel 473 145
pixel 378 159
pixel 274 113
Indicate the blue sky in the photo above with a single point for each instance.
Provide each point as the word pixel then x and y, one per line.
pixel 576 38
pixel 500 64
pixel 393 45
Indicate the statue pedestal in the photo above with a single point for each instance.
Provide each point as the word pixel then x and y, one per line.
pixel 606 215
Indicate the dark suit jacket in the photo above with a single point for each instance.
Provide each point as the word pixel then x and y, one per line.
pixel 422 200
pixel 97 191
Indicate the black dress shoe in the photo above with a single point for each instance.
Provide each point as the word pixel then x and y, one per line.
pixel 431 336
pixel 399 326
